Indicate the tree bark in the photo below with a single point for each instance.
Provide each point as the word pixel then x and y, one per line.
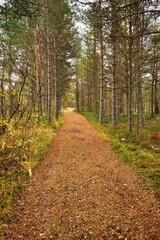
pixel 156 89
pixel 77 93
pixel 138 73
pixel 48 70
pixel 56 98
pixel 38 71
pixel 114 63
pixel 101 110
pixel 95 76
pixel 130 83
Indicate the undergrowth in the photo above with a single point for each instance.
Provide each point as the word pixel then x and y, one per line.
pixel 142 152
pixel 20 151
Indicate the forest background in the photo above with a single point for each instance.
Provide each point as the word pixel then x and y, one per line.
pixel 100 57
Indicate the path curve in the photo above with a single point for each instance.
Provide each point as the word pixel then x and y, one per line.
pixel 83 191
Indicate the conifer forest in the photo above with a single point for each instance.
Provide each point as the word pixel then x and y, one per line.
pixel 110 63
pixel 99 59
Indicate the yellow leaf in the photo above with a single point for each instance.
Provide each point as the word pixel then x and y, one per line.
pixel 3 145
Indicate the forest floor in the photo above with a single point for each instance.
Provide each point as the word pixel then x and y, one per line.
pixel 83 191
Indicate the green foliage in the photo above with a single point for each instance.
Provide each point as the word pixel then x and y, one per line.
pixel 20 151
pixel 89 115
pixel 142 152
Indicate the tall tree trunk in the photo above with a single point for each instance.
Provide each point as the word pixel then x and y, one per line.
pixel 126 67
pixel 114 63
pixel 83 104
pixel 38 71
pixel 152 94
pixel 154 86
pixel 156 89
pixel 2 111
pixel 77 93
pixel 114 84
pixel 138 71
pixel 48 69
pixel 56 97
pixel 88 81
pixel 130 79
pixel 95 76
pixel 101 110
pixel 2 95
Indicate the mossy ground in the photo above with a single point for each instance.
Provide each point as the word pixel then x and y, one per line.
pixel 141 151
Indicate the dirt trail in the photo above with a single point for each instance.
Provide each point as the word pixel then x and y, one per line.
pixel 83 191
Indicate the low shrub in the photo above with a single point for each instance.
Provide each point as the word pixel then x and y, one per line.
pixel 20 151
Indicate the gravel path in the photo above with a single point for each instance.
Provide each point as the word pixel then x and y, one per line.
pixel 83 191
